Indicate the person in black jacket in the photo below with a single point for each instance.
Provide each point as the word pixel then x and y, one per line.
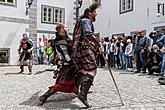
pixel 141 49
pixel 154 60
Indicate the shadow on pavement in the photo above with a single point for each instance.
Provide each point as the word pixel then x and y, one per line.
pixel 39 72
pixel 126 72
pixel 46 70
pixel 57 101
pixel 152 76
pixel 111 106
pixel 32 101
pixel 15 73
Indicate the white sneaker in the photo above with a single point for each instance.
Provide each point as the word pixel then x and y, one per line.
pixel 131 69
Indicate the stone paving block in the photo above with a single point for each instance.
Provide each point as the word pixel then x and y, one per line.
pixel 159 108
pixel 150 108
pixel 137 92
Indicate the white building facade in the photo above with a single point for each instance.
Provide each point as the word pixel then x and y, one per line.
pixel 114 17
pixel 128 16
pixel 13 23
pixel 39 22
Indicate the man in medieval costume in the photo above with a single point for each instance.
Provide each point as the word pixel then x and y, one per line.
pixel 66 78
pixel 83 55
pixel 26 45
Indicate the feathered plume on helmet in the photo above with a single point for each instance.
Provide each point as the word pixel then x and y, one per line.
pixel 95 5
pixel 92 7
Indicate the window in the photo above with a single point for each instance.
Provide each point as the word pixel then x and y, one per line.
pixel 126 6
pixel 160 9
pixel 47 13
pixel 58 15
pixel 52 14
pixel 10 2
pixel 4 55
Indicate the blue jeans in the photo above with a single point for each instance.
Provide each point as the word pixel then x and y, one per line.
pixel 122 60
pixel 138 61
pixel 163 64
pixel 41 57
pixel 101 60
pixel 48 59
pixel 112 59
pixel 129 62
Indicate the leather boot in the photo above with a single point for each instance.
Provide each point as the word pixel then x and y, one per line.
pixel 79 78
pixel 44 97
pixel 85 86
pixel 22 69
pixel 30 69
pixel 30 72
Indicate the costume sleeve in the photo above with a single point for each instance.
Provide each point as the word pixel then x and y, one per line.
pixel 31 43
pixel 65 52
pixel 87 27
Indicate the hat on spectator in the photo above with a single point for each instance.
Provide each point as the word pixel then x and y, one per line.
pixel 158 30
pixel 152 34
pixel 128 40
pixel 140 31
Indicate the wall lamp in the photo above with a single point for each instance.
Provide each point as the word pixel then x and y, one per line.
pixel 29 3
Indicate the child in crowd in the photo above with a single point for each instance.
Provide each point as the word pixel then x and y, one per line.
pixel 129 54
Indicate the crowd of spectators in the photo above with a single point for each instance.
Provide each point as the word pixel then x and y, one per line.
pixel 141 54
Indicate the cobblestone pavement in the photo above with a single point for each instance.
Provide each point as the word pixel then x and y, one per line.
pixel 21 91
